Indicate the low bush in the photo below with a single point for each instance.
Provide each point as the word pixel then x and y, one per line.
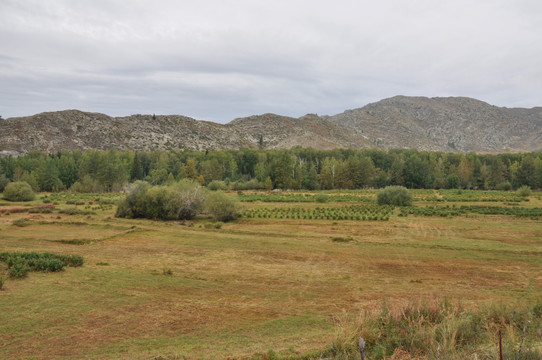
pixel 22 222
pixel 18 271
pixel 1 282
pixel 221 206
pixel 504 186
pixel 21 263
pixel 217 185
pixel 321 198
pixel 524 191
pixel 180 201
pixel 19 191
pixel 76 211
pixel 394 195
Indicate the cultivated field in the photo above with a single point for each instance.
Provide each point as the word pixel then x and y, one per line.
pixel 290 276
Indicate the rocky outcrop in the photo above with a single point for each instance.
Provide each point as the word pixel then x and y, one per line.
pixel 438 124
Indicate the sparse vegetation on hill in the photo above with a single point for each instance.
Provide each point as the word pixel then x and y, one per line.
pixel 436 124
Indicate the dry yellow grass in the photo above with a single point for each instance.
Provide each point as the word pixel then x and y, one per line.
pixel 250 286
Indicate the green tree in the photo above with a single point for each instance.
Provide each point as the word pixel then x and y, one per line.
pixel 453 182
pixel 136 170
pixel 282 170
pixel 67 169
pixel 327 174
pixel 47 176
pixel 310 177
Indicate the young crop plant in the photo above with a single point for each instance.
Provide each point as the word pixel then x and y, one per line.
pixel 352 212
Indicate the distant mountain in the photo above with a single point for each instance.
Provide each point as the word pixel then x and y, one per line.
pixel 439 124
pixel 448 124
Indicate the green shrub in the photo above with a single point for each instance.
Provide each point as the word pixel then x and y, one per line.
pixel 217 185
pixel 22 222
pixel 19 264
pixel 524 191
pixel 18 271
pixel 504 186
pixel 321 198
pixel 394 195
pixel 18 191
pixel 181 201
pixel 1 282
pixel 221 206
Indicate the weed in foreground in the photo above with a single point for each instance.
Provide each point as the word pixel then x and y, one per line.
pixel 440 329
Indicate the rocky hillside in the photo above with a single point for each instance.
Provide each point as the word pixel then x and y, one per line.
pixel 447 124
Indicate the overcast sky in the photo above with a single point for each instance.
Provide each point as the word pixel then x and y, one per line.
pixel 222 59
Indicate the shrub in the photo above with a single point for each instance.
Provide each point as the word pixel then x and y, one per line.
pixel 22 222
pixel 19 271
pixel 524 191
pixel 181 201
pixel 321 198
pixel 221 206
pixel 1 282
pixel 19 264
pixel 504 186
pixel 394 195
pixel 217 185
pixel 18 191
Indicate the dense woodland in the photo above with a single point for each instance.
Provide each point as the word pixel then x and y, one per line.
pixel 297 168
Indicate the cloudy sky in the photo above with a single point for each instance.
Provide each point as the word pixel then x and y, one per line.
pixel 222 59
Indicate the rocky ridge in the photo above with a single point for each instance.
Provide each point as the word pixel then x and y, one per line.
pixel 437 124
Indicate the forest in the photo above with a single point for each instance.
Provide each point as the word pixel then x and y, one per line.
pixel 296 168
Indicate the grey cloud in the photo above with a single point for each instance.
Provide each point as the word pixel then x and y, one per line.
pixel 218 60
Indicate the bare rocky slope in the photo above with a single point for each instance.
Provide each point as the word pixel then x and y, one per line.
pixel 444 124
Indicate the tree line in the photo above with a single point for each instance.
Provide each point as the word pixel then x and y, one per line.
pixel 296 168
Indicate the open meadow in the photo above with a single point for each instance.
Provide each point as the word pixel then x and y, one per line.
pixel 293 277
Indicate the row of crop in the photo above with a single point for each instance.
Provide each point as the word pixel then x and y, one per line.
pixel 446 211
pixel 21 263
pixel 298 197
pixel 480 196
pixel 353 212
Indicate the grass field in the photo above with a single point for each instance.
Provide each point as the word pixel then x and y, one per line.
pixel 198 289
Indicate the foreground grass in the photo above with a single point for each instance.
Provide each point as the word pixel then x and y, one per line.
pixel 196 290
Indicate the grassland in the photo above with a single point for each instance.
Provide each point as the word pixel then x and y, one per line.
pixel 151 289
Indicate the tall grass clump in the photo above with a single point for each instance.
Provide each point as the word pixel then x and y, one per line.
pixel 394 195
pixel 19 191
pixel 182 200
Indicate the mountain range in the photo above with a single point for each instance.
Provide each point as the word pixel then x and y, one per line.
pixel 437 124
